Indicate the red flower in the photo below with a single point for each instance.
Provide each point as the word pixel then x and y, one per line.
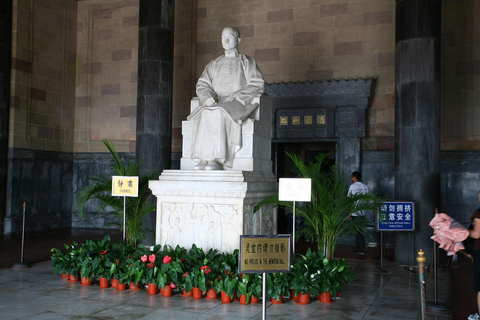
pixel 151 258
pixel 185 274
pixel 172 285
pixel 206 269
pixel 117 262
pixel 227 272
pixel 144 258
pixel 150 265
pixel 167 259
pixel 183 260
pixel 103 252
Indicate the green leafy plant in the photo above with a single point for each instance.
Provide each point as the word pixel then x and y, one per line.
pixel 136 207
pixel 277 285
pixel 60 261
pixel 256 284
pixel 245 285
pixel 326 217
pixel 170 272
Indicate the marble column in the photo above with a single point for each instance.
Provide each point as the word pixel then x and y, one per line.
pixel 417 117
pixel 154 91
pixel 5 58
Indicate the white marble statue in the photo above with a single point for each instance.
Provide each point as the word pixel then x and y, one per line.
pixel 225 90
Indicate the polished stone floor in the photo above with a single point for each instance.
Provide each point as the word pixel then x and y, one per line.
pixel 36 293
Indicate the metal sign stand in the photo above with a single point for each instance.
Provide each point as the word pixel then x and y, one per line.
pixel 264 298
pixel 124 216
pixel 435 305
pixel 293 229
pixel 21 264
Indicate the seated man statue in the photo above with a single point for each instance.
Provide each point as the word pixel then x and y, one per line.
pixel 225 91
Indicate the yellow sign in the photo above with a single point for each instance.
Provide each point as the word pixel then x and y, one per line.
pixel 124 186
pixel 267 254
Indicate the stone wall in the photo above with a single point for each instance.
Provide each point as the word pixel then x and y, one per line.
pixel 106 79
pixel 303 40
pixel 460 75
pixel 43 75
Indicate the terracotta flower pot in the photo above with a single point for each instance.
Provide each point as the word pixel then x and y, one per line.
pixel 152 289
pixel 293 296
pixel 167 291
pixel 114 283
pixel 74 278
pixel 243 299
pixel 134 286
pixel 211 294
pixel 303 299
pixel 103 283
pixel 187 294
pixel 121 286
pixel 275 301
pixel 326 297
pixel 85 281
pixel 226 298
pixel 65 275
pixel 197 293
pixel 254 299
pixel 235 296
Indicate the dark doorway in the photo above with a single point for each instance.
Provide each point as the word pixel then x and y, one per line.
pixel 283 167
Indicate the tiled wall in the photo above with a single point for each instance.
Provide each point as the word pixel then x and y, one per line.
pixel 43 75
pixel 184 66
pixel 106 80
pixel 74 73
pixel 300 40
pixel 461 75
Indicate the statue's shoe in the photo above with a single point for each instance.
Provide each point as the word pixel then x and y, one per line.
pixel 200 166
pixel 213 165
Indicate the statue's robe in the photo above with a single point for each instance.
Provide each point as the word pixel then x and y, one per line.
pixel 217 131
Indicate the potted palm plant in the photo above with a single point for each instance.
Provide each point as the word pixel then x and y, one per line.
pixel 326 217
pixel 136 207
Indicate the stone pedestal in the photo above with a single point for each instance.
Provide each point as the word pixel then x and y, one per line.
pixel 211 209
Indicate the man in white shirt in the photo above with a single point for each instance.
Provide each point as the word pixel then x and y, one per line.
pixel 358 187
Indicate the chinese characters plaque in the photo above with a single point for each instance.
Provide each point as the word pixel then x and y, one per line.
pixel 396 216
pixel 264 254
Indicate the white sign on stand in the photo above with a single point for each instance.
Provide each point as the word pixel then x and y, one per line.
pixel 295 189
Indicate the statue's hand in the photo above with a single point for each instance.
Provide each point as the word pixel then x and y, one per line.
pixel 230 98
pixel 210 102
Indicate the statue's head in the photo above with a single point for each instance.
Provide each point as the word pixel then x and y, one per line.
pixel 230 38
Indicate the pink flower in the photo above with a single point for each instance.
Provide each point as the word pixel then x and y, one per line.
pixel 151 258
pixel 150 265
pixel 167 259
pixel 172 285
pixel 186 274
pixel 144 258
pixel 206 269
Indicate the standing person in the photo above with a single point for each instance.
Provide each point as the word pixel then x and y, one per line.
pixel 358 187
pixel 475 234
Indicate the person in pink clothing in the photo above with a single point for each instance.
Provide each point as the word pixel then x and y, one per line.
pixel 475 234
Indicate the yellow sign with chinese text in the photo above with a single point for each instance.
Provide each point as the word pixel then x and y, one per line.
pixel 124 186
pixel 259 254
